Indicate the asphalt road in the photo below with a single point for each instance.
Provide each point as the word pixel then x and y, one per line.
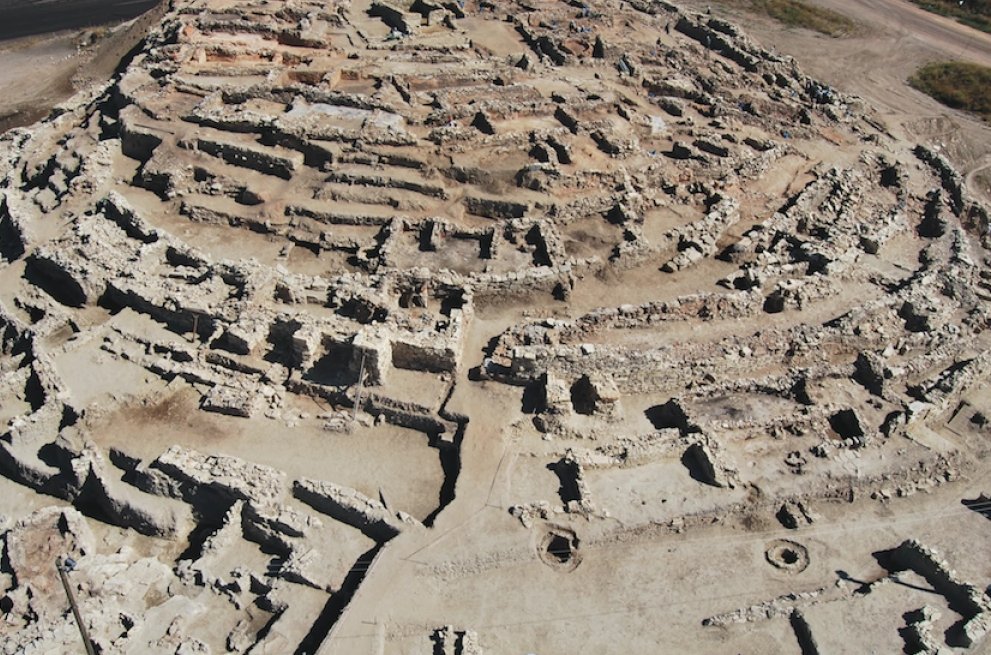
pixel 26 19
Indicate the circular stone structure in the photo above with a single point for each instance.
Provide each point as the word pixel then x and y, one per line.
pixel 787 555
pixel 559 549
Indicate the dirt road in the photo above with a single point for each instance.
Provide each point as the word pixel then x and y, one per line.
pixel 950 38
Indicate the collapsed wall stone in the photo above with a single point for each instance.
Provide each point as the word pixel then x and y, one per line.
pixel 234 478
pixel 973 602
pixel 921 636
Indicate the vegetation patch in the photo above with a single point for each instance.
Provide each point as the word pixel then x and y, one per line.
pixel 975 13
pixel 958 85
pixel 795 13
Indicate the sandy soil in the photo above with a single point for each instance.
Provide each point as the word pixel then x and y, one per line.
pixel 23 62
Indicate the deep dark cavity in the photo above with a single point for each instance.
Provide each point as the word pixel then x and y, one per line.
pixel 450 463
pixel 559 548
pixel 335 605
pixel 583 396
pixel 670 415
pixel 846 424
pixel 567 475
pixel 56 283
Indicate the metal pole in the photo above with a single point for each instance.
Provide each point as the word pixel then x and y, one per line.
pixel 75 608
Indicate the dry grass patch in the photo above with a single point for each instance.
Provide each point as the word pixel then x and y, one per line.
pixel 975 13
pixel 795 13
pixel 958 85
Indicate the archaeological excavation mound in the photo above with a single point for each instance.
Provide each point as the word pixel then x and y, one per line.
pixel 486 326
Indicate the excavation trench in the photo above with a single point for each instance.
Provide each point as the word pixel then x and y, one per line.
pixel 336 604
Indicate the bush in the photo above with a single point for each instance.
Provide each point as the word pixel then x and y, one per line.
pixel 796 13
pixel 958 85
pixel 975 13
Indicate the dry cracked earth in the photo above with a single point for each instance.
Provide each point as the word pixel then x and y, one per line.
pixel 487 327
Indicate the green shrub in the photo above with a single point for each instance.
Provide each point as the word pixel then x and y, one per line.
pixel 796 13
pixel 956 84
pixel 975 13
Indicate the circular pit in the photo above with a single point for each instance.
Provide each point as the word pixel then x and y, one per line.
pixel 787 555
pixel 559 549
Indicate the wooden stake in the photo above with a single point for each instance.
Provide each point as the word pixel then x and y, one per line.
pixel 75 608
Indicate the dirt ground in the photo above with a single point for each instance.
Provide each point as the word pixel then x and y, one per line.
pixel 495 327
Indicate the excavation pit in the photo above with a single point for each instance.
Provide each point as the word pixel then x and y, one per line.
pixel 787 555
pixel 559 549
